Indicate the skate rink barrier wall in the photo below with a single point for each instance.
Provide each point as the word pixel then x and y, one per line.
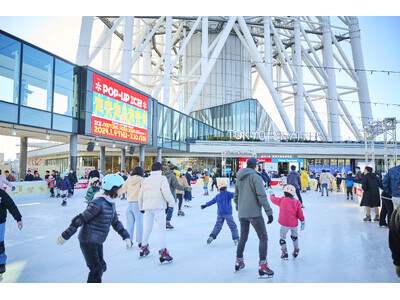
pixel 38 188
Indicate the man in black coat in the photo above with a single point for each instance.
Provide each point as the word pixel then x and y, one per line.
pixel 72 180
pixel 29 176
pixel 371 197
pixel 394 238
pixel 6 203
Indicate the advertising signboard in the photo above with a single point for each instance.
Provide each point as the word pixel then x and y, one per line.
pixel 118 112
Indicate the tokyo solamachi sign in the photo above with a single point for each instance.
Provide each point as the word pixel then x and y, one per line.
pixel 269 136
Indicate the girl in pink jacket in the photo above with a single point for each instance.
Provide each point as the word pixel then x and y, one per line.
pixel 289 212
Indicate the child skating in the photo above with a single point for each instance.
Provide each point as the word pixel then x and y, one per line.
pixel 96 221
pixel 63 186
pixel 289 212
pixel 224 203
pixel 92 190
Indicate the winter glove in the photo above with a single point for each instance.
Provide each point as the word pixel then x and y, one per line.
pixel 60 240
pixel 13 188
pixel 203 206
pixel 128 243
pixel 142 211
pixel 270 192
pixel 270 219
pixel 188 189
pixel 303 225
pixel 398 271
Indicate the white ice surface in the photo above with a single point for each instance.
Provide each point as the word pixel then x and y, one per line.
pixel 336 247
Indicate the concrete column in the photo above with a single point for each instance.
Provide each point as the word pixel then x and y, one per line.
pixel 23 157
pixel 103 160
pixel 141 156
pixel 73 151
pixel 159 155
pixel 123 160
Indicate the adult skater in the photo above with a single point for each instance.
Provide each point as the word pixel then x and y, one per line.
pixel 214 181
pixel 324 179
pixel 289 212
pixel 188 195
pixel 134 217
pixel 3 181
pixel 96 221
pixel 224 213
pixel 72 181
pixel 249 197
pixel 394 237
pixel 304 180
pixel 391 184
pixel 173 185
pixel 179 193
pixel 371 197
pixel 6 203
pixel 154 197
pixel 293 178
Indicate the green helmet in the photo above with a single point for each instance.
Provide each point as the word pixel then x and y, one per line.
pixel 111 180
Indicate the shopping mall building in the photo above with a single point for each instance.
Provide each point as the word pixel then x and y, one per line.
pixel 102 122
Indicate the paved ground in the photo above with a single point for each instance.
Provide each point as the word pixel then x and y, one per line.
pixel 336 247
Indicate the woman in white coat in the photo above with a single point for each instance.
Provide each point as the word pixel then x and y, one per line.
pixel 154 196
pixel 133 215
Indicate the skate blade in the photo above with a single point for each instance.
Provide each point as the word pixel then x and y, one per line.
pixel 285 258
pixel 265 276
pixel 165 262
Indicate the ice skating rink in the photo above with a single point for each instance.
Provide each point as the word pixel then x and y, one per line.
pixel 335 247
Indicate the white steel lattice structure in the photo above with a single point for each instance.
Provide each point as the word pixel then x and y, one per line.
pixel 192 63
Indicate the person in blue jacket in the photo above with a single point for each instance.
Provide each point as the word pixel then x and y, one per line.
pixel 349 184
pixel 188 194
pixel 63 186
pixel 224 203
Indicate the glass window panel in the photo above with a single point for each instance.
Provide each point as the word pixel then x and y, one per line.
pixel 8 112
pixel 201 131
pixel 167 132
pixel 62 123
pixel 195 130
pixel 10 59
pixel 37 79
pixel 34 117
pixel 175 124
pixel 65 89
pixel 160 120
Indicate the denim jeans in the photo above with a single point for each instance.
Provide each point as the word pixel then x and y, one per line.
pixel 134 217
pixel 259 226
pixel 169 212
pixel 218 226
pixel 93 254
pixel 324 187
pixel 3 256
pixel 205 187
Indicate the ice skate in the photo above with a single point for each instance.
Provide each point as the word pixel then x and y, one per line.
pixel 295 252
pixel 52 196
pixel 264 271
pixel 236 241
pixel 181 213
pixel 164 255
pixel 285 255
pixel 144 251
pixel 64 202
pixel 210 239
pixel 2 269
pixel 58 195
pixel 351 197
pixel 69 195
pixel 367 219
pixel 169 226
pixel 376 219
pixel 239 264
pixel 347 198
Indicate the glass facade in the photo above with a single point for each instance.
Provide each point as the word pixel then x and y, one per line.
pixel 342 165
pixel 10 55
pixel 65 89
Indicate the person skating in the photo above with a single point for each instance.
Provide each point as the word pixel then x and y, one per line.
pixel 371 197
pixel 206 180
pixel 95 224
pixel 134 217
pixel 173 185
pixel 293 178
pixel 188 195
pixel 304 180
pixel 63 186
pixel 214 182
pixel 394 236
pixel 387 209
pixel 318 188
pixel 289 213
pixel 92 190
pixel 72 181
pixel 154 197
pixel 349 184
pixel 224 213
pixel 179 193
pixel 51 182
pixel 3 181
pixel 6 204
pixel 338 181
pixel 324 179
pixel 249 198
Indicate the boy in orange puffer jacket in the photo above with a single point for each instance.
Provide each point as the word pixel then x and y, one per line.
pixel 289 212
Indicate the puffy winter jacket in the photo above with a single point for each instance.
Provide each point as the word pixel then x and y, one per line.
pixel 182 181
pixel 132 188
pixel 63 184
pixel 155 192
pixel 293 178
pixel 394 236
pixel 250 194
pixel 95 222
pixel 391 182
pixel 6 203
pixel 91 192
pixel 224 202
pixel 289 210
pixel 349 180
pixel 173 182
pixel 324 178
pixel 190 178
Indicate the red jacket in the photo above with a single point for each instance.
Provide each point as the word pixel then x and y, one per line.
pixel 290 210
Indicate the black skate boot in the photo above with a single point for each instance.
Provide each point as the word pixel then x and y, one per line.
pixel 169 226
pixel 58 196
pixel 285 255
pixel 263 269
pixel 295 252
pixel 64 202
pixel 210 239
pixel 2 268
pixel 164 255
pixel 367 218
pixel 144 251
pixel 239 264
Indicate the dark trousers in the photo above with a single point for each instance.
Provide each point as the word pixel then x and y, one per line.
pixel 218 226
pixel 349 191
pixel 52 191
pixel 299 195
pixel 386 211
pixel 214 183
pixel 259 226
pixel 318 186
pixel 180 199
pixel 93 254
